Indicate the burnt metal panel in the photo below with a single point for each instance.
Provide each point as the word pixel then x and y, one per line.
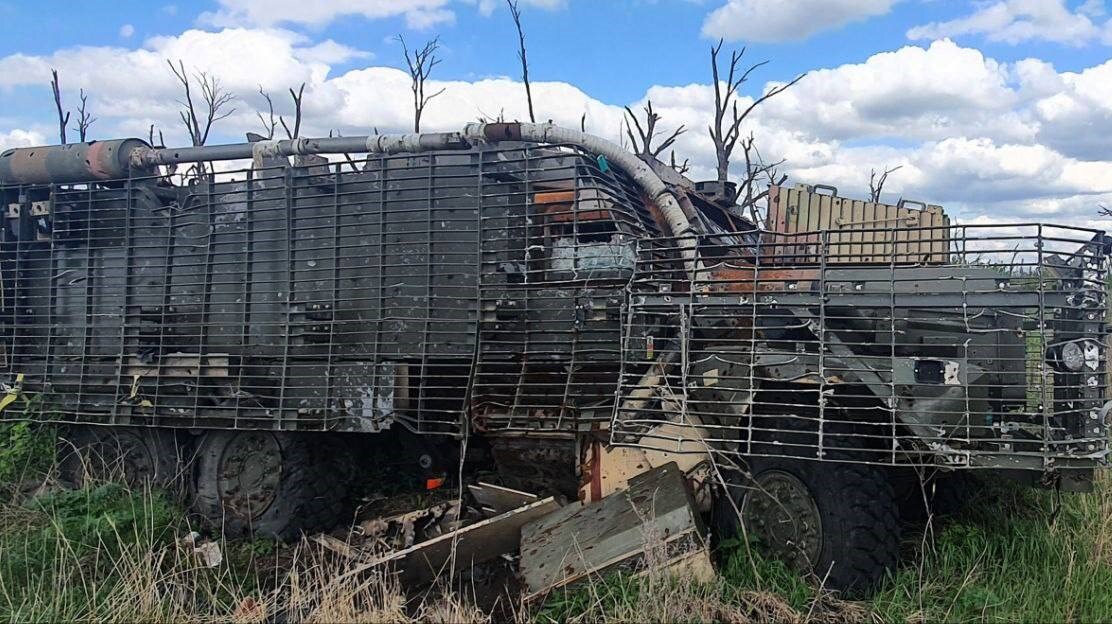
pixel 345 296
pixel 958 364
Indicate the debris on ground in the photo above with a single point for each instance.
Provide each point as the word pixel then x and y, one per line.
pixel 499 535
pixel 207 552
pixel 495 499
pixel 467 546
pixel 583 540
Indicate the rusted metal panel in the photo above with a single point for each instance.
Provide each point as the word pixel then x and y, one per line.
pixel 76 162
pixel 810 222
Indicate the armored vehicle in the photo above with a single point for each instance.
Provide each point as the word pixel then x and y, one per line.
pixel 576 312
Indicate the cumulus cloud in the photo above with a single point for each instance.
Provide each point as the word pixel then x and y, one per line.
pixel 910 93
pixel 1016 21
pixel 982 137
pixel 787 20
pixel 20 138
pixel 1076 119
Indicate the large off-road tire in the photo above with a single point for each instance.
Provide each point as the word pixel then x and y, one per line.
pixel 263 483
pixel 137 456
pixel 835 519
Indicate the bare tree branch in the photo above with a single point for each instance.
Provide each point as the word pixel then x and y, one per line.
pixel 84 118
pixel 681 168
pixel 876 184
pixel 749 191
pixel 421 63
pixel 63 117
pixel 642 143
pixel 297 97
pixel 516 13
pixel 150 138
pixel 725 131
pixel 270 123
pixel 213 97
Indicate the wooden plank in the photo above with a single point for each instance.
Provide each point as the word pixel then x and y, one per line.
pixel 579 541
pixel 495 499
pixel 476 543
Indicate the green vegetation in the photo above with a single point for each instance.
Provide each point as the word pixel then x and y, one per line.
pixel 107 553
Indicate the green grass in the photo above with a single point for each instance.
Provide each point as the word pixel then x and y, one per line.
pixel 1016 556
pixel 106 553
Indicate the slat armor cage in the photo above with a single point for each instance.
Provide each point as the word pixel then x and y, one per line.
pixel 988 355
pixel 531 291
pixel 328 296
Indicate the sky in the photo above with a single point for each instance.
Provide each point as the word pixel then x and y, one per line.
pixel 1000 110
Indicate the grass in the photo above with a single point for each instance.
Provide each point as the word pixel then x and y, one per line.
pixel 107 553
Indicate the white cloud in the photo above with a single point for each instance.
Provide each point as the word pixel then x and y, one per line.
pixel 984 138
pixel 1077 118
pixel 487 7
pixel 910 93
pixel 126 31
pixel 1016 21
pixel 20 138
pixel 787 20
pixel 417 13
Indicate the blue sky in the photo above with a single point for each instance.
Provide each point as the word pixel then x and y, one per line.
pixel 613 49
pixel 995 107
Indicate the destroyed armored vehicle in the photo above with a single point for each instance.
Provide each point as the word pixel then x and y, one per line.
pixel 578 313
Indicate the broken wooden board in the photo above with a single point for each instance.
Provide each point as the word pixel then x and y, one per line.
pixel 608 469
pixel 495 499
pixel 476 543
pixel 656 513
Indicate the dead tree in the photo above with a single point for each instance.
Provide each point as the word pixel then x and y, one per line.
pixel 728 117
pixel 757 170
pixel 297 99
pixel 150 138
pixel 63 116
pixel 681 168
pixel 421 63
pixel 214 100
pixel 515 12
pixel 642 141
pixel 876 183
pixel 84 118
pixel 270 122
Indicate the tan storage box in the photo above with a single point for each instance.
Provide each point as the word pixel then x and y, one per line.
pixel 855 231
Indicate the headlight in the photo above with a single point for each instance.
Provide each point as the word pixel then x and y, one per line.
pixel 1072 356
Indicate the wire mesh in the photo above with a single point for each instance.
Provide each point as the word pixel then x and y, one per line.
pixel 332 296
pixel 966 346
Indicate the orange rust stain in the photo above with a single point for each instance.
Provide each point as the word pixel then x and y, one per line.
pixel 748 279
pixel 559 213
pixel 554 197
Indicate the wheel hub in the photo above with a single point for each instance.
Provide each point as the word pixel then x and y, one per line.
pixel 119 455
pixel 250 472
pixel 781 513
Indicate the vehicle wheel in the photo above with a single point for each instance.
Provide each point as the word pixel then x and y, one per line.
pixel 837 521
pixel 265 483
pixel 136 456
